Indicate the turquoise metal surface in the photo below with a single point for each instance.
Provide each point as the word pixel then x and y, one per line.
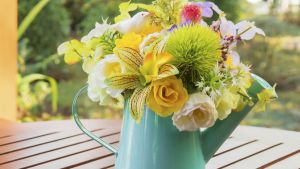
pixel 82 128
pixel 155 143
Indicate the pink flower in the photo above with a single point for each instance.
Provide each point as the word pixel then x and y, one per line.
pixel 191 13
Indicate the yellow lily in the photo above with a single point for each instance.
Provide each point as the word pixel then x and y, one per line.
pixel 151 65
pixel 140 71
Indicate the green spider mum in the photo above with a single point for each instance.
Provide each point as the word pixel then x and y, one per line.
pixel 196 50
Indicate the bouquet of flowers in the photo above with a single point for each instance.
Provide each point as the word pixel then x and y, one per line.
pixel 170 59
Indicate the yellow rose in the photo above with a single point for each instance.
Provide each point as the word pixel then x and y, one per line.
pixel 130 40
pixel 167 96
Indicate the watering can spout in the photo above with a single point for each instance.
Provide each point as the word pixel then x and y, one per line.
pixel 213 137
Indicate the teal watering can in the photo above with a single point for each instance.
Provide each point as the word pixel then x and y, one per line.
pixel 155 143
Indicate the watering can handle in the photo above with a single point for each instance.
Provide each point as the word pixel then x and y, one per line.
pixel 80 125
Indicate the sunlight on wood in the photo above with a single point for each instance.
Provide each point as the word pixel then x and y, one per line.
pixel 8 57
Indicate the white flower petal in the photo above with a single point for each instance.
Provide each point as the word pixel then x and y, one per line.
pixel 98 53
pixel 114 93
pixel 217 9
pixel 250 34
pixel 260 32
pixel 227 28
pixel 62 48
pixel 243 25
pixel 98 31
pixel 98 89
pixel 247 30
pixel 198 112
pixel 85 39
pixel 236 60
pixel 87 65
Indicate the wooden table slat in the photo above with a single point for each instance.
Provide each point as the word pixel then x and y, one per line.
pixel 265 157
pixel 4 136
pixel 61 153
pixel 53 146
pixel 55 126
pixel 101 163
pixel 293 162
pixel 24 137
pixel 232 144
pixel 75 159
pixel 239 154
pixel 45 139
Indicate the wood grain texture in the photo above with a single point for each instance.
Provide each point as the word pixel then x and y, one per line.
pixel 53 145
pixel 293 161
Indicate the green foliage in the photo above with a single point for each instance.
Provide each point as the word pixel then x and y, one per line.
pixel 232 8
pixel 94 11
pixel 196 52
pixel 275 27
pixel 283 113
pixel 86 108
pixel 107 41
pixel 270 59
pixel 30 97
pixel 48 30
pixel 31 16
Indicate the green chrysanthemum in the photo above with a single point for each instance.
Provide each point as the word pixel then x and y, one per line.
pixel 196 50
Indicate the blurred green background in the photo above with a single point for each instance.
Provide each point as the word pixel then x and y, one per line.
pixel 47 85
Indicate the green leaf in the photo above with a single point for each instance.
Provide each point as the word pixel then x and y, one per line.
pixel 130 58
pixel 123 81
pixel 137 103
pixel 31 16
pixel 53 84
pixel 167 70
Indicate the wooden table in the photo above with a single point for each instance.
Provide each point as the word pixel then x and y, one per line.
pixel 51 145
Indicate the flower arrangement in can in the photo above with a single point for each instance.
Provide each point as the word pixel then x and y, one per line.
pixel 170 59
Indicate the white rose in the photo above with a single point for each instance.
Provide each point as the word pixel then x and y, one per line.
pixel 98 91
pixel 199 111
